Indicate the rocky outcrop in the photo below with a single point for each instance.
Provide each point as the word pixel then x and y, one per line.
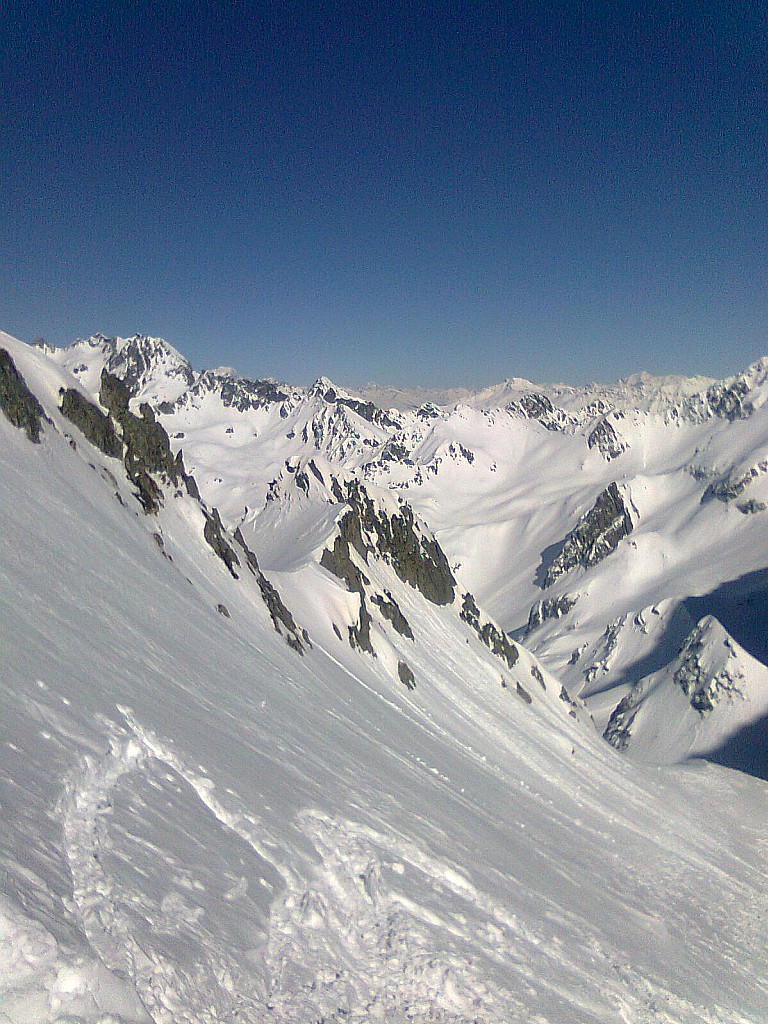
pixel 367 410
pixel 707 669
pixel 17 401
pixel 360 632
pixel 751 506
pixel 236 393
pixel 95 425
pixel 694 675
pixel 147 449
pixel 594 537
pixel 734 484
pixel 523 694
pixel 416 557
pixel 406 676
pixel 618 732
pixel 548 608
pixel 724 400
pixel 338 559
pixel 373 531
pixel 138 359
pixel 493 637
pixel 213 532
pixel 394 451
pixel 538 676
pixel 535 406
pixel 390 609
pixel 606 440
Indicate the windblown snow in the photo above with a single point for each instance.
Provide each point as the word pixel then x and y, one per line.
pixel 335 752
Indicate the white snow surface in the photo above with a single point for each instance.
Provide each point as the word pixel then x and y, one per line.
pixel 200 825
pixel 502 478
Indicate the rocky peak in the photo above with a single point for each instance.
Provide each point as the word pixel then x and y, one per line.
pixel 327 391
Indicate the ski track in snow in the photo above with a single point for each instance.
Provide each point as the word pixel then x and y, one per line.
pixel 347 940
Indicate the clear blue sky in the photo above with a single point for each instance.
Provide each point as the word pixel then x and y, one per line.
pixel 404 192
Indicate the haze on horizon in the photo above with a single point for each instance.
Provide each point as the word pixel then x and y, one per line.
pixel 437 196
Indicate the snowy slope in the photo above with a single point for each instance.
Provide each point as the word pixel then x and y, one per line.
pixel 203 825
pixel 514 482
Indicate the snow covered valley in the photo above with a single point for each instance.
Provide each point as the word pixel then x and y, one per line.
pixel 335 751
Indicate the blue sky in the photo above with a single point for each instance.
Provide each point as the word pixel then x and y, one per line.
pixel 405 192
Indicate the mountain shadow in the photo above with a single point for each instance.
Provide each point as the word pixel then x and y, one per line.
pixel 741 606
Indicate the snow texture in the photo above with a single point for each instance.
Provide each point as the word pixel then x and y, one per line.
pixel 203 825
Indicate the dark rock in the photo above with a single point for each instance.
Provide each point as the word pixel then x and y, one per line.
pixel 390 609
pixel 147 447
pixel 250 559
pixel 732 486
pixel 417 559
pixel 360 633
pixel 534 406
pixel 191 485
pixel 595 536
pixel 428 411
pixel 548 608
pixel 618 732
pixel 703 689
pixel 17 401
pixel 537 675
pixel 606 440
pixel 470 613
pixel 282 619
pixel 95 425
pixel 213 532
pixel 135 362
pixel 727 402
pixel 493 637
pixel 114 395
pixel 338 561
pixel 523 694
pixel 406 675
pixel 751 507
pixel 394 451
pixel 368 411
pixel 223 610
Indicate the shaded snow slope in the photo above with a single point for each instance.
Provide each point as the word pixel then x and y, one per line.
pixel 200 825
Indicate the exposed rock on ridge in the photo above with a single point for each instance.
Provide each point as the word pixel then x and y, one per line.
pixel 493 637
pixel 594 537
pixel 17 401
pixel 95 425
pixel 416 558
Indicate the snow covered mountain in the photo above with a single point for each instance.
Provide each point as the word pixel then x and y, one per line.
pixel 528 489
pixel 275 748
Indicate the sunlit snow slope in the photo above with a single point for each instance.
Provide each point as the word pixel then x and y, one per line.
pixel 201 824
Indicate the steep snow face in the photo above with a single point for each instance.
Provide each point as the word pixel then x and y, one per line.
pixel 202 825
